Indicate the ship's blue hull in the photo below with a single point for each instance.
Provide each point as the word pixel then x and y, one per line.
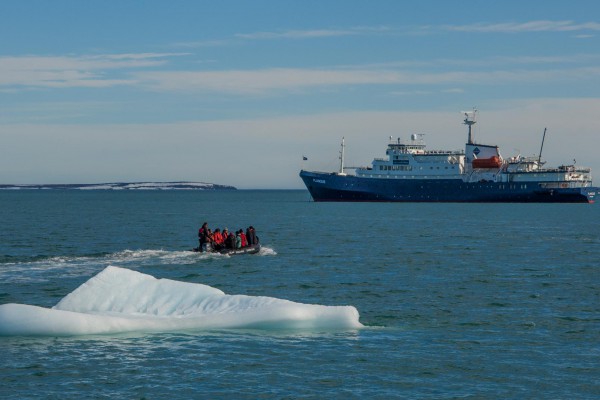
pixel 335 187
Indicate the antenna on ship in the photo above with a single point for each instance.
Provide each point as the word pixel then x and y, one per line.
pixel 342 159
pixel 543 138
pixel 470 121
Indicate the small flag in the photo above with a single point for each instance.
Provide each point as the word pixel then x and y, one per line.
pixel 304 158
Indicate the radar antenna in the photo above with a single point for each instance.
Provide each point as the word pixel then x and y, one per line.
pixel 470 120
pixel 342 159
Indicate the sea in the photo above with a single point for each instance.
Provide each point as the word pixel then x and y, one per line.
pixel 458 301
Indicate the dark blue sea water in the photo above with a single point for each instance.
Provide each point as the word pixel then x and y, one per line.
pixel 459 300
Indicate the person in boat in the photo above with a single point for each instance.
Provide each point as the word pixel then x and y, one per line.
pixel 251 236
pixel 202 237
pixel 230 242
pixel 225 236
pixel 243 237
pixel 223 242
pixel 218 239
pixel 238 240
pixel 209 245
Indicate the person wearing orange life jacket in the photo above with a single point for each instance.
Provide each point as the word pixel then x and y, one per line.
pixel 218 239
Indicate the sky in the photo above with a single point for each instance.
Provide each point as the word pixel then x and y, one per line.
pixel 238 92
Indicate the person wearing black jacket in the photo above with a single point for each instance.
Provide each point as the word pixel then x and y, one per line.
pixel 203 237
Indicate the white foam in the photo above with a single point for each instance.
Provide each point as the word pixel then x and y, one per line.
pixel 120 300
pixel 40 270
pixel 266 251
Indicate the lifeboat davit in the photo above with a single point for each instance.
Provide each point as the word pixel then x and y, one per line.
pixel 492 162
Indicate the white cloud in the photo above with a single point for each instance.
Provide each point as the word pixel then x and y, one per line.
pixel 453 90
pixel 530 26
pixel 296 34
pixel 240 38
pixel 268 80
pixel 311 33
pixel 481 27
pixel 204 43
pixel 135 56
pixel 139 70
pixel 410 92
pixel 74 71
pixel 261 81
pixel 584 36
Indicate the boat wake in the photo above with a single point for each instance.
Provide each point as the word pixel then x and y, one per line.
pixel 119 300
pixel 41 268
pixel 267 251
pixel 146 257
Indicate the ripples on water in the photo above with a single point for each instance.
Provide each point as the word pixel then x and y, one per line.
pixel 475 301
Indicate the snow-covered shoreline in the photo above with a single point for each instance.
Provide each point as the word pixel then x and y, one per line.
pixel 184 185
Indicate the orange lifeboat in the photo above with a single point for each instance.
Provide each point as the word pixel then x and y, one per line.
pixel 492 162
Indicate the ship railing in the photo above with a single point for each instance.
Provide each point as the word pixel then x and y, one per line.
pixel 445 152
pixel 565 185
pixel 584 170
pixel 434 152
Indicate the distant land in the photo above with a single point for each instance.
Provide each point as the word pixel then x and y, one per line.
pixel 122 186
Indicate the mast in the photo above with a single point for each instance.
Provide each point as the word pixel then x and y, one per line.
pixel 470 121
pixel 543 138
pixel 342 159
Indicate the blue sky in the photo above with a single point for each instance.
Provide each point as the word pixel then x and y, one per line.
pixel 236 92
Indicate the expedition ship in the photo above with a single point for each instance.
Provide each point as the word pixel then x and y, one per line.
pixel 410 173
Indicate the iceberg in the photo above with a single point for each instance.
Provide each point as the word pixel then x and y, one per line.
pixel 119 300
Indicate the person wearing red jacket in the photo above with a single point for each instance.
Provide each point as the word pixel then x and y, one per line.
pixel 244 239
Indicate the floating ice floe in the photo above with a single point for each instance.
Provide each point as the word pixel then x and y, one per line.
pixel 119 300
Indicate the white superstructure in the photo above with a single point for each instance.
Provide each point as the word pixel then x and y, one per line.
pixel 477 163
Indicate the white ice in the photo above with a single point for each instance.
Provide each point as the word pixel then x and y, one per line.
pixel 120 300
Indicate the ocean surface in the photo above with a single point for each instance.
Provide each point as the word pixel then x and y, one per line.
pixel 459 301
